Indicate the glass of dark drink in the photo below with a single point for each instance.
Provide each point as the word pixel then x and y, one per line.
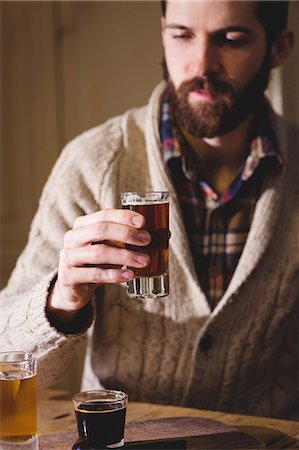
pixel 153 280
pixel 101 417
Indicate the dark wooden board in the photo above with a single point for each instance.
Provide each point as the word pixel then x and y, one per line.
pixel 175 432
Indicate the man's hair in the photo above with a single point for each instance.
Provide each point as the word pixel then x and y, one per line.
pixel 273 15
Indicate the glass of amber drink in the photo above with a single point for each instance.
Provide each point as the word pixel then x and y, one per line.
pixel 18 411
pixel 153 280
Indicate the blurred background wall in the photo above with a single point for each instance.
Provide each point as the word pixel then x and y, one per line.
pixel 65 67
pixel 68 66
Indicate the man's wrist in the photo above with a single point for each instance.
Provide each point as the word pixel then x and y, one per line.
pixel 54 310
pixel 67 321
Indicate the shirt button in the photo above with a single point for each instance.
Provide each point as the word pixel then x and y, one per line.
pixel 206 343
pixel 211 203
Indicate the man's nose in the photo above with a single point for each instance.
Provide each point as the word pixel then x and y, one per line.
pixel 205 59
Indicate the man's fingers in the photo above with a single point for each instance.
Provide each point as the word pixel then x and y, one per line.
pixel 94 254
pixel 103 231
pixel 76 276
pixel 121 216
pixel 99 254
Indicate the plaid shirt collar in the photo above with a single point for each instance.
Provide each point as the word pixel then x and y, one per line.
pixel 263 146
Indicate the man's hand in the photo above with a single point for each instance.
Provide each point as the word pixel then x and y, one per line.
pixel 94 254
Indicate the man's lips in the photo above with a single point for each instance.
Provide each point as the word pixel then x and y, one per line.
pixel 202 94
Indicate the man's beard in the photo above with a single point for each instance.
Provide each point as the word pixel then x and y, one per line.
pixel 226 109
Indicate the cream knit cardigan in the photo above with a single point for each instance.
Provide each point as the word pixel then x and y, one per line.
pixel 242 356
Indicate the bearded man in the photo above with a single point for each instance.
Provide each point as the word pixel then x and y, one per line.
pixel 226 338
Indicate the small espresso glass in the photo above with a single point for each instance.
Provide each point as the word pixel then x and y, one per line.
pixel 101 417
pixel 153 280
pixel 18 405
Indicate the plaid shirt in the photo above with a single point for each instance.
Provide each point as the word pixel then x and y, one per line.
pixel 217 226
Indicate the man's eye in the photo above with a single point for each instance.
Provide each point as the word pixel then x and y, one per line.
pixel 182 37
pixel 234 40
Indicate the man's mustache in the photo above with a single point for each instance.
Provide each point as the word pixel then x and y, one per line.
pixel 208 83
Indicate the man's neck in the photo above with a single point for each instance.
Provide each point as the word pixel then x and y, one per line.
pixel 222 157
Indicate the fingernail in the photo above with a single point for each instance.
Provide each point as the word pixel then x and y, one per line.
pixel 143 236
pixel 141 259
pixel 137 221
pixel 127 274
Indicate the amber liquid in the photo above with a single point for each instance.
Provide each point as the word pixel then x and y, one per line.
pixel 18 406
pixel 157 224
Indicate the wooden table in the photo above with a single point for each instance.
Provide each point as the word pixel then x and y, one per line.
pixel 56 415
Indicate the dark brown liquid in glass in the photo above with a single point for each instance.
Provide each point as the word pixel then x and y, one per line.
pixel 103 424
pixel 157 224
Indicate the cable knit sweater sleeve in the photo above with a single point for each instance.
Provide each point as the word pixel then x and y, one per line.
pixel 73 189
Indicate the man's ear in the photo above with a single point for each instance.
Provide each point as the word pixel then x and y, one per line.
pixel 282 48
